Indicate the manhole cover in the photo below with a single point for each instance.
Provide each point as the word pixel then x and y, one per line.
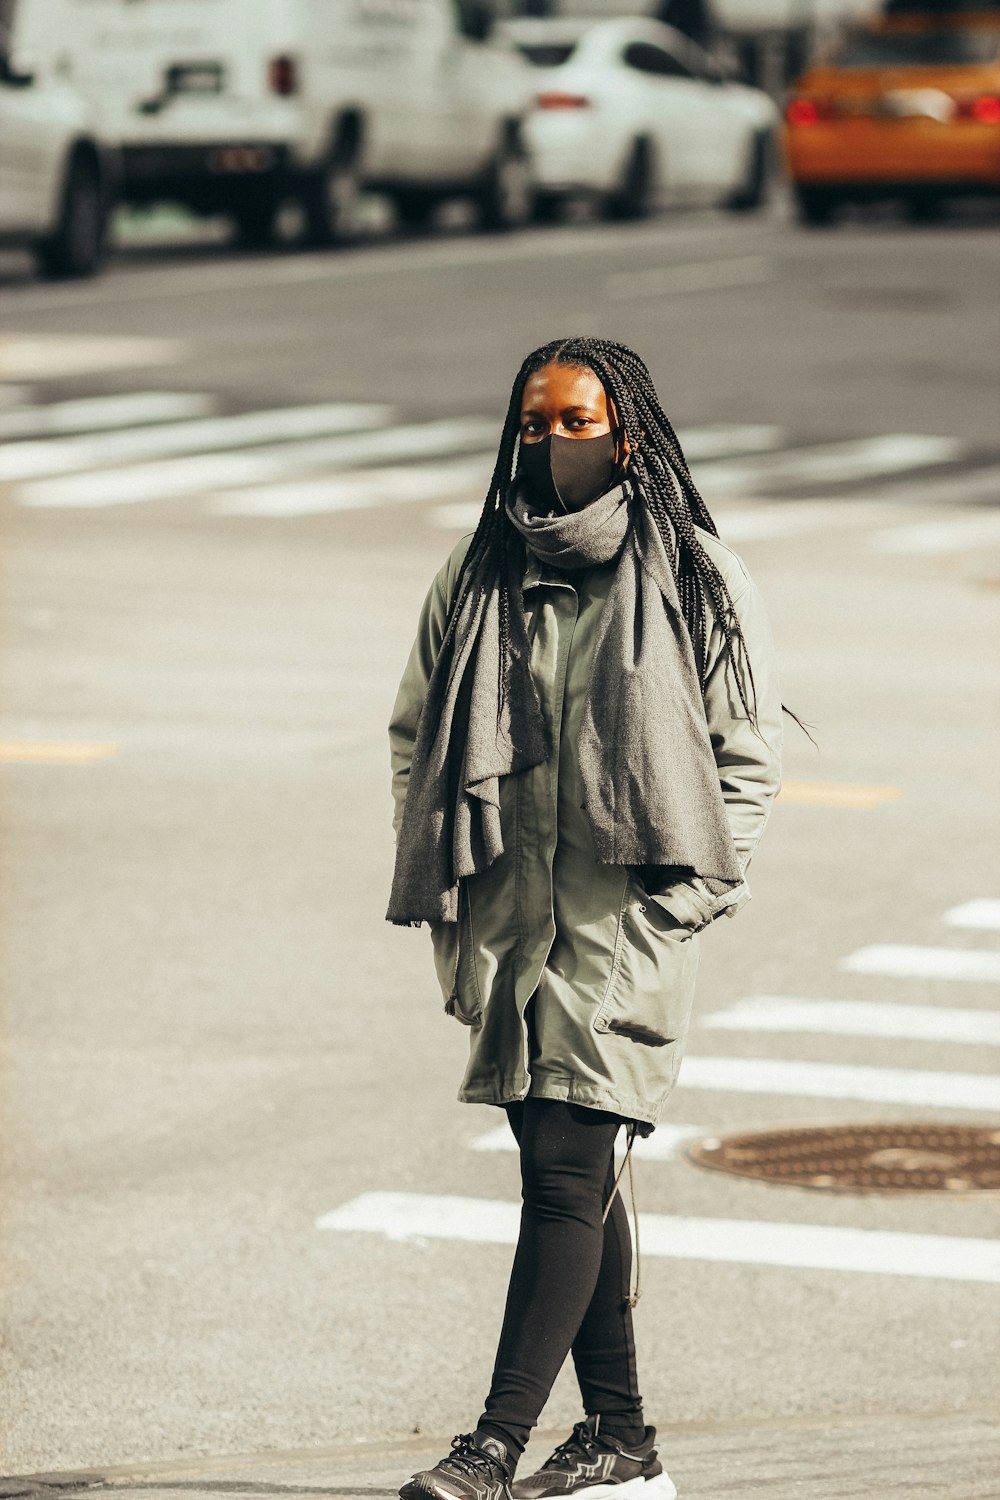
pixel 863 1158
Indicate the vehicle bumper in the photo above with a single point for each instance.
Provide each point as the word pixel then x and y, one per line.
pixel 570 152
pixel 869 153
pixel 210 176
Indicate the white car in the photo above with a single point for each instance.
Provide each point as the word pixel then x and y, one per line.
pixel 634 114
pixel 56 177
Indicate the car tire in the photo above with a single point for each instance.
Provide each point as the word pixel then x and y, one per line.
pixel 330 198
pixel 755 189
pixel 815 206
pixel 549 208
pixel 506 196
pixel 78 243
pixel 415 210
pixel 255 222
pixel 635 195
pixel 925 208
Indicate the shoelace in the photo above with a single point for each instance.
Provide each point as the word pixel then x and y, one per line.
pixel 581 1440
pixel 468 1459
pixel 633 1296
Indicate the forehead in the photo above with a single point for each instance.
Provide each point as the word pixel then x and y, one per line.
pixel 558 386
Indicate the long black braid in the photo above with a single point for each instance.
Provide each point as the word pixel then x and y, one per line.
pixel 658 472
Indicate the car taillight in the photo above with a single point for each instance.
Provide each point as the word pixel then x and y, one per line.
pixel 557 100
pixel 985 109
pixel 808 111
pixel 283 76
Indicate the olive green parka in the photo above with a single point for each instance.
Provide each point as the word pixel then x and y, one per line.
pixel 576 979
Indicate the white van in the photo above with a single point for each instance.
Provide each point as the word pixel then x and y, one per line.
pixel 235 106
pixel 56 176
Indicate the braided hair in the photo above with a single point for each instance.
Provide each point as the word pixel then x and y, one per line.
pixel 659 476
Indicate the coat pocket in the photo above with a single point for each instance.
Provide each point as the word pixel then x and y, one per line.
pixel 651 988
pixel 453 960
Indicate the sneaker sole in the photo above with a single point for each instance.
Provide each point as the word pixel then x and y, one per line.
pixel 660 1487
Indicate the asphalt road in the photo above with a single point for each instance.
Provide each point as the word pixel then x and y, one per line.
pixel 212 1040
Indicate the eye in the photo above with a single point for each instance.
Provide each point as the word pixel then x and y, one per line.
pixel 531 427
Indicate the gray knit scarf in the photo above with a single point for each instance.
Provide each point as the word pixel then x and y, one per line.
pixel 651 781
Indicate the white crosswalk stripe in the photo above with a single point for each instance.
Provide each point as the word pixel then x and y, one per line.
pixel 924 1023
pixel 981 913
pixel 358 491
pixel 835 463
pixel 820 1247
pixel 144 447
pixel 30 460
pixel 766 1075
pixel 908 961
pixel 663 1145
pixel 103 413
pixel 174 478
pixel 936 537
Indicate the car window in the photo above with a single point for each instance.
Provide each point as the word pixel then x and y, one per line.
pixel 547 54
pixel 646 58
pixel 915 49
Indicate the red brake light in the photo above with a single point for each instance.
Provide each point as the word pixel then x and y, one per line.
pixel 556 100
pixel 802 112
pixel 283 76
pixel 986 110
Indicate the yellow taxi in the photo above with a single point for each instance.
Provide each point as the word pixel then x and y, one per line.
pixel 906 106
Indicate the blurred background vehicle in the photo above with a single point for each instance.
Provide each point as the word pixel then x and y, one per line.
pixel 633 114
pixel 906 106
pixel 238 106
pixel 56 176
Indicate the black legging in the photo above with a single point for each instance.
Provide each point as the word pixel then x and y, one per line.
pixel 569 1284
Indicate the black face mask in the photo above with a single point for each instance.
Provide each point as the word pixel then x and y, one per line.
pixel 565 474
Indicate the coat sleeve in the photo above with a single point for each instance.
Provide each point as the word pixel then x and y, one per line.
pixel 748 759
pixel 406 711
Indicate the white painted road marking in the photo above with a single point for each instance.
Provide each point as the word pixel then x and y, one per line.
pixel 663 1145
pixel 97 413
pixel 697 276
pixel 982 914
pixel 54 356
pixel 764 1075
pixel 406 1216
pixel 361 490
pixel 901 961
pixel 31 460
pixel 172 478
pixel 834 463
pixel 924 1023
pixel 721 439
pixel 933 537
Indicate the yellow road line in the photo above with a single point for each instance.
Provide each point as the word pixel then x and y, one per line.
pixel 838 794
pixel 56 752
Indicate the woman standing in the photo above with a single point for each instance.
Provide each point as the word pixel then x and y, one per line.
pixel 585 747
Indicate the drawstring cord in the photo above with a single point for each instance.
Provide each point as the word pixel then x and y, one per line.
pixel 630 1130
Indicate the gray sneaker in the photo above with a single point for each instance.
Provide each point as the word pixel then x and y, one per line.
pixel 590 1462
pixel 477 1468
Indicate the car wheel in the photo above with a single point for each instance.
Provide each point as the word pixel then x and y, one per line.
pixel 255 222
pixel 330 200
pixel 925 208
pixel 635 195
pixel 77 245
pixel 548 208
pixel 415 210
pixel 816 207
pixel 506 195
pixel 755 189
